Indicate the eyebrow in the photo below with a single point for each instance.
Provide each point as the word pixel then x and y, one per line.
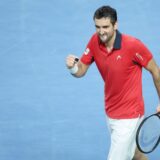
pixel 101 26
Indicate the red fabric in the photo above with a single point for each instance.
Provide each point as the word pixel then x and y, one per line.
pixel 121 70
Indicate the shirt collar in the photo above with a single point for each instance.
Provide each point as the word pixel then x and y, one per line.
pixel 117 42
pixel 118 39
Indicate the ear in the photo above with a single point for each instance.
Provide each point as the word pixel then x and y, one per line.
pixel 116 26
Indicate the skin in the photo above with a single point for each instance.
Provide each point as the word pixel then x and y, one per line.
pixel 107 33
pixel 139 156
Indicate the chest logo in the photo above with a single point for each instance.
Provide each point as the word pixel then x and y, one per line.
pixel 119 57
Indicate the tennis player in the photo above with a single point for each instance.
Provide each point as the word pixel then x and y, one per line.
pixel 119 59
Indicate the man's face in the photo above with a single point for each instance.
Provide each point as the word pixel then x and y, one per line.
pixel 105 29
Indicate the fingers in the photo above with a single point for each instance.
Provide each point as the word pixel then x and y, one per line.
pixel 71 60
pixel 158 109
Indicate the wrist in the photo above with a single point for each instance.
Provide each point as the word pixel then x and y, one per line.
pixel 74 69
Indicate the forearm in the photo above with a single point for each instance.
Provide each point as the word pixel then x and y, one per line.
pixel 153 68
pixel 156 79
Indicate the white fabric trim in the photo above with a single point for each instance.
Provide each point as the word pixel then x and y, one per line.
pixel 74 69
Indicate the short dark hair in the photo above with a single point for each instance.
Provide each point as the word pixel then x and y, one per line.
pixel 106 12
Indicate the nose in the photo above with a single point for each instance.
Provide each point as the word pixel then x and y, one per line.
pixel 101 31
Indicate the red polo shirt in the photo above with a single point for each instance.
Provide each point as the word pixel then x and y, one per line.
pixel 121 70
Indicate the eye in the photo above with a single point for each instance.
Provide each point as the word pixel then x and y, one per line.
pixel 97 26
pixel 105 27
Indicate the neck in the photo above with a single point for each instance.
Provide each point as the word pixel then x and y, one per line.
pixel 109 45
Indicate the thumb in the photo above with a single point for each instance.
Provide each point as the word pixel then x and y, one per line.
pixel 158 109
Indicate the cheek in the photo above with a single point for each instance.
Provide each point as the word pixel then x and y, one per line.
pixel 111 31
pixel 108 30
pixel 97 30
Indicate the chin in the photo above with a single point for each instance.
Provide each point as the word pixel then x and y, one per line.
pixel 104 41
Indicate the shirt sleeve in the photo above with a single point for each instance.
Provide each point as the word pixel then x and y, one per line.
pixel 142 55
pixel 87 56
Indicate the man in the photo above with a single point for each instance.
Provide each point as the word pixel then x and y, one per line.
pixel 119 59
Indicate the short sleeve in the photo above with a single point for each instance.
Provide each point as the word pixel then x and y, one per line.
pixel 87 57
pixel 141 55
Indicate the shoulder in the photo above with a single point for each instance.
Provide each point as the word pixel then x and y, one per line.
pixel 131 41
pixel 94 41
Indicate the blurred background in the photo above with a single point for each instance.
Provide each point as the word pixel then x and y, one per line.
pixel 45 113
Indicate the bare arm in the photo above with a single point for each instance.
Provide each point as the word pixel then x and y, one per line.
pixel 155 71
pixel 82 68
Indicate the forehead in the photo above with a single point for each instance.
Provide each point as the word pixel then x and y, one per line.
pixel 102 21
